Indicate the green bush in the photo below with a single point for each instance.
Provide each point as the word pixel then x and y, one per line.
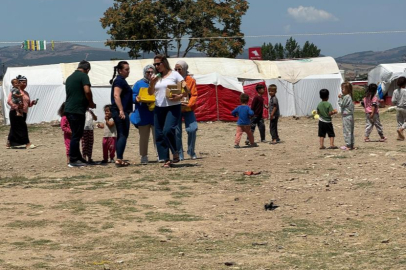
pixel 358 94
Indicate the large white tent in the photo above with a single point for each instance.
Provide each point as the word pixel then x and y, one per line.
pixel 387 74
pixel 300 81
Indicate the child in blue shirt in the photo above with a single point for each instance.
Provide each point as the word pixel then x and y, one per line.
pixel 244 113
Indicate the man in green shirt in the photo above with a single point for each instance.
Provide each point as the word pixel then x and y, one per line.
pixel 325 111
pixel 78 99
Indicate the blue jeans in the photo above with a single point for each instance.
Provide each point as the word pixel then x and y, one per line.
pixel 77 126
pixel 123 130
pixel 166 121
pixel 191 129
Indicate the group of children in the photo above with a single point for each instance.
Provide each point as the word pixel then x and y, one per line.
pixel 250 117
pixel 345 101
pixel 109 135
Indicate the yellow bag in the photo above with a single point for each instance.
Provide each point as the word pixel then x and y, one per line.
pixel 144 96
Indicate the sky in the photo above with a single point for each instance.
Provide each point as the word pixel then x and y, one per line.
pixel 78 20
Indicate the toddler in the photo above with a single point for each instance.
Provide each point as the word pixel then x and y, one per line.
pixel 347 112
pixel 17 97
pixel 88 136
pixel 67 133
pixel 325 111
pixel 110 135
pixel 372 113
pixel 244 113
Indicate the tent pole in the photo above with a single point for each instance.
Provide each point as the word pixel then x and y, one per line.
pixel 217 105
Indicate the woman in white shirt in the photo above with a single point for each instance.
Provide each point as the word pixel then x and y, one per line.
pixel 167 113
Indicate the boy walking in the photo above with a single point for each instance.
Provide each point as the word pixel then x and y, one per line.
pixel 325 111
pixel 257 107
pixel 244 113
pixel 273 114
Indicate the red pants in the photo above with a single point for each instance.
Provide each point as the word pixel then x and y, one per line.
pixel 240 131
pixel 109 145
pixel 87 143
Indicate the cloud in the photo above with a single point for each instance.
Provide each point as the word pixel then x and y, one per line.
pixel 310 14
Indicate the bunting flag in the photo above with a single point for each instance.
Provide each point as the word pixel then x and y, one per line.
pixel 34 45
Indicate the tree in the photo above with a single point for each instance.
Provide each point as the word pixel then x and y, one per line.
pixel 291 50
pixel 173 20
pixel 310 50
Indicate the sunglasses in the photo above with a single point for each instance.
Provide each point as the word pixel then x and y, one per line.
pixel 157 64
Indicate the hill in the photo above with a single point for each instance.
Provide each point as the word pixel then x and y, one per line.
pixel 395 55
pixel 13 56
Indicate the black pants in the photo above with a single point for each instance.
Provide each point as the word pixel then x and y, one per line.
pixel 258 121
pixel 77 125
pixel 273 126
pixel 123 130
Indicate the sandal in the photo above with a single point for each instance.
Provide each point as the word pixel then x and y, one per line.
pixel 322 147
pixel 383 139
pixel 31 146
pixel 176 159
pixel 367 140
pixel 345 148
pixel 167 164
pixel 121 163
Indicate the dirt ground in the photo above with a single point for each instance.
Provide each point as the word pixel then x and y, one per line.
pixel 336 209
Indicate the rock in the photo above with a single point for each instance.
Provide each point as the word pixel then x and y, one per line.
pixel 181 254
pixel 385 241
pixel 260 244
pixel 229 263
pixel 354 234
pixel 106 267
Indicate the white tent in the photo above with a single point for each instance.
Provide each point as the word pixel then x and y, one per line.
pixel 47 82
pixel 387 74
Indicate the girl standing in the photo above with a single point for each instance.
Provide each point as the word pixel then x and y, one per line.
pixel 88 136
pixel 372 113
pixel 347 112
pixel 67 132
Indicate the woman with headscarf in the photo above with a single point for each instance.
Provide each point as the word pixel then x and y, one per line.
pixel 188 114
pixel 18 127
pixel 167 112
pixel 143 115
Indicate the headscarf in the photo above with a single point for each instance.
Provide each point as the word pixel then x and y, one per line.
pixel 184 66
pixel 21 78
pixel 145 79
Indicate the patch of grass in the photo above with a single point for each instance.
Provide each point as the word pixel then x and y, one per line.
pixel 75 206
pixel 184 188
pixel 164 182
pixel 178 194
pixel 74 228
pixel 41 242
pixel 364 185
pixel 164 230
pixel 41 265
pixel 156 216
pixel 28 223
pixel 298 171
pixel 108 225
pixel 339 157
pixel 174 203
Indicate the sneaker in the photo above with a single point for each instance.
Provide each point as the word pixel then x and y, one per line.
pixel 253 145
pixel 144 160
pixel 77 163
pixel 91 162
pixel 236 146
pixel 112 160
pixel 193 157
pixel 247 142
pixel 263 141
pixel 104 161
pixel 161 160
